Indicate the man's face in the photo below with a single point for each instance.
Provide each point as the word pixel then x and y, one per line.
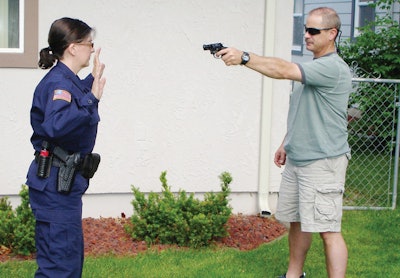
pixel 318 41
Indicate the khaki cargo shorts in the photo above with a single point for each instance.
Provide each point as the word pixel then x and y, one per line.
pixel 313 194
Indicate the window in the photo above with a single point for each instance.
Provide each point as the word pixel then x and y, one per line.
pixel 364 13
pixel 298 26
pixel 10 22
pixel 18 33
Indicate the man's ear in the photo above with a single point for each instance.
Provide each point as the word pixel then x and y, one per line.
pixel 333 34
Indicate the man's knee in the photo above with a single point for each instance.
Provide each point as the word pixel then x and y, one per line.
pixel 330 236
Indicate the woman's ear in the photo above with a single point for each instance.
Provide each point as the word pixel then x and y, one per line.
pixel 71 49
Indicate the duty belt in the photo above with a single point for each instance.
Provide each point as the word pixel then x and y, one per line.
pixel 70 163
pixel 56 162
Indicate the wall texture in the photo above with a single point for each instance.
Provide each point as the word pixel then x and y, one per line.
pixel 168 105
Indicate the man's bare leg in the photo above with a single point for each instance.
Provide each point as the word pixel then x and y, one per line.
pixel 335 254
pixel 299 244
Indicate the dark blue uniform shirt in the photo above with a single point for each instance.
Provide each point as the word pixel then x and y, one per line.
pixel 65 113
pixel 69 121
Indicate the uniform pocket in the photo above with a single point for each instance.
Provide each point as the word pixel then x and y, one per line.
pixel 65 239
pixel 328 202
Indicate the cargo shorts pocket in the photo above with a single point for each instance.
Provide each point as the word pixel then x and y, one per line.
pixel 328 202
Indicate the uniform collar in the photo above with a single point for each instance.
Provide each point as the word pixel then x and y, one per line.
pixel 65 70
pixel 70 75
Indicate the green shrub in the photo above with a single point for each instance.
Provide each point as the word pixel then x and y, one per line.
pixel 169 218
pixel 17 228
pixel 7 217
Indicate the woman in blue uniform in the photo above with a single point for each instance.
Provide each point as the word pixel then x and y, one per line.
pixel 64 114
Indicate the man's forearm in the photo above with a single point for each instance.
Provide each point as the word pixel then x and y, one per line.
pixel 274 67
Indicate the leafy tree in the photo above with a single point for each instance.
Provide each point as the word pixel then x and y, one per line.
pixel 376 51
pixel 377 48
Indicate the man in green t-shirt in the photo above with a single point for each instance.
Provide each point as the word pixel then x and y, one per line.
pixel 315 149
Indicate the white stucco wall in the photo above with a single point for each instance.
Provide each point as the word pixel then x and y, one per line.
pixel 168 105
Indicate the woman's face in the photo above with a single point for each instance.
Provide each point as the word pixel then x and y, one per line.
pixel 84 50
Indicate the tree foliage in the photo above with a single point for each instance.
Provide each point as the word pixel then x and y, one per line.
pixel 376 51
pixel 377 48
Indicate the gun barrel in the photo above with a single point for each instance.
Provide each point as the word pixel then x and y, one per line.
pixel 217 45
pixel 206 46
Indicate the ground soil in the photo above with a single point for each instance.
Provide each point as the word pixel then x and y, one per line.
pixel 107 236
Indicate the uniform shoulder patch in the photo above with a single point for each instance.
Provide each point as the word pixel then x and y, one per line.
pixel 62 95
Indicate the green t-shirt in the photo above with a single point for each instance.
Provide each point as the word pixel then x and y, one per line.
pixel 317 120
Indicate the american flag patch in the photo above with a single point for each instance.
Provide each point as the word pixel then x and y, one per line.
pixel 62 94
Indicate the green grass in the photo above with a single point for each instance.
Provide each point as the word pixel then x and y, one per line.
pixel 373 240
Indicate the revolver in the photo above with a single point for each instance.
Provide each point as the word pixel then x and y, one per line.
pixel 214 48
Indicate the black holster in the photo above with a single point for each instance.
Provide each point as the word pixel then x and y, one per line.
pixel 90 164
pixel 68 168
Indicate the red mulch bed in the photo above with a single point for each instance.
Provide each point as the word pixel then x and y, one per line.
pixel 107 236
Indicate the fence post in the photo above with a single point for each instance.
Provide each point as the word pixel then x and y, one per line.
pixel 396 155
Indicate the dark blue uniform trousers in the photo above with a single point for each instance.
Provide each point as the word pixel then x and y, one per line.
pixel 59 234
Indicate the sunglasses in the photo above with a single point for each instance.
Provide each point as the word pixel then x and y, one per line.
pixel 315 31
pixel 91 44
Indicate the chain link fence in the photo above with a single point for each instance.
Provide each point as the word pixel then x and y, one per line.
pixel 373 117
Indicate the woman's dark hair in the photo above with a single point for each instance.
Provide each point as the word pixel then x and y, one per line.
pixel 63 32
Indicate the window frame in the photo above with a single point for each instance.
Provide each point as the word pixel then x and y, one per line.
pixel 297 49
pixel 357 15
pixel 28 58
